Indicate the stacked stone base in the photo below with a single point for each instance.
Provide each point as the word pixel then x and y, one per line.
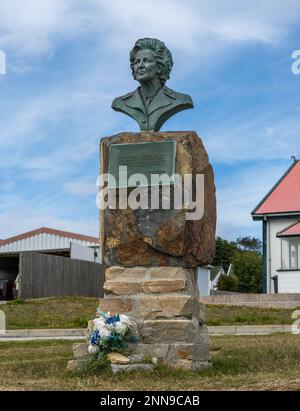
pixel 164 302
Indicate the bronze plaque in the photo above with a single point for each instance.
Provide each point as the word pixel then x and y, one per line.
pixel 142 158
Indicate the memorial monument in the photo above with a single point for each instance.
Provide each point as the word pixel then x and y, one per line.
pixel 151 251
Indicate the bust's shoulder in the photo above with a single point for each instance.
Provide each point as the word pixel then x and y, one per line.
pixel 179 97
pixel 119 100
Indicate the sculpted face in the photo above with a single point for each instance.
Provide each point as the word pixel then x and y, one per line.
pixel 145 67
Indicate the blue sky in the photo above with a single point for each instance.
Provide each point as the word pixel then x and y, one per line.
pixel 68 59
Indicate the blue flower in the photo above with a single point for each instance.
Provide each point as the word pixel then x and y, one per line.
pixel 95 337
pixel 113 319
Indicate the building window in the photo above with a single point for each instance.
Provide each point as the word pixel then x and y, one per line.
pixel 290 253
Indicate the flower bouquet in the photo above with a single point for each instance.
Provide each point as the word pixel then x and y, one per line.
pixel 110 333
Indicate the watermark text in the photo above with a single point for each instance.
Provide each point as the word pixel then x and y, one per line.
pixel 159 191
pixel 296 64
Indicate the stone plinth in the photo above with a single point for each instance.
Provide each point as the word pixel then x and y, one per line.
pixel 160 237
pixel 151 253
pixel 164 302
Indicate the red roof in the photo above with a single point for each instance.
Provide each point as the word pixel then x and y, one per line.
pixel 284 197
pixel 46 230
pixel 291 230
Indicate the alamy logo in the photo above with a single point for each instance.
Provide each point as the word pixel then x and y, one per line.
pixel 2 62
pixel 154 192
pixel 296 64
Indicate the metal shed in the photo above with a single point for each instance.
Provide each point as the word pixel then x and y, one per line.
pixel 51 242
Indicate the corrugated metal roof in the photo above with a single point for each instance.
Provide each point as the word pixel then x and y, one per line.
pixel 284 197
pixel 45 239
pixel 291 230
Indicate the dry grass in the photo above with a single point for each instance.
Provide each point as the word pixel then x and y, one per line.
pixel 74 312
pixel 239 363
pixel 242 315
pixel 63 312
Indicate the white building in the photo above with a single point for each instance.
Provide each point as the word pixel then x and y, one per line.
pixel 279 212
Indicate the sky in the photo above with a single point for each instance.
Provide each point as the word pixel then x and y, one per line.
pixel 66 60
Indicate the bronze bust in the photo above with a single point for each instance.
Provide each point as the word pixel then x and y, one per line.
pixel 152 103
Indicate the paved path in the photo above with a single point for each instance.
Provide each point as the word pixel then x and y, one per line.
pixel 43 334
pixel 80 334
pixel 249 329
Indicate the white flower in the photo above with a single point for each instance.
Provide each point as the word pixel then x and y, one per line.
pixel 99 324
pixel 110 326
pixel 120 327
pixel 105 333
pixel 125 319
pixel 93 349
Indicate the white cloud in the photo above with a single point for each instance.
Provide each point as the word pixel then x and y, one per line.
pixel 35 27
pixel 238 194
pixel 267 135
pixel 19 213
pixel 81 188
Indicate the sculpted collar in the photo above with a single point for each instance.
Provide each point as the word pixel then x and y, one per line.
pixel 163 98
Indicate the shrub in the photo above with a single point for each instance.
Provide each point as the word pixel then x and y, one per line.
pixel 227 283
pixel 248 267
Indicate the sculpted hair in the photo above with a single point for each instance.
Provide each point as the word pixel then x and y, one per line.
pixel 161 54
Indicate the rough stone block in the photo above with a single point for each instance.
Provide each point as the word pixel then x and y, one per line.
pixel 165 307
pixel 164 286
pixel 203 335
pixel 117 358
pixel 114 272
pixel 135 273
pixel 135 358
pixel 158 351
pixel 76 365
pixel 115 305
pixel 161 237
pixel 80 350
pixel 168 331
pixel 167 272
pixel 122 288
pixel 183 351
pixel 202 313
pixel 201 365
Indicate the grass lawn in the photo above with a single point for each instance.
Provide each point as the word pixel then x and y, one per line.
pixel 239 363
pixel 74 312
pixel 242 315
pixel 63 312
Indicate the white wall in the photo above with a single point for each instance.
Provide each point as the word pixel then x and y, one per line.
pixel 289 282
pixel 43 241
pixel 85 253
pixel 274 254
pixel 203 280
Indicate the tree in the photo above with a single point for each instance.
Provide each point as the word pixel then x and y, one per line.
pixel 245 255
pixel 228 283
pixel 248 267
pixel 225 252
pixel 249 244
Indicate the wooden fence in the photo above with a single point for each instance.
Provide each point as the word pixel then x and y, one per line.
pixel 44 275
